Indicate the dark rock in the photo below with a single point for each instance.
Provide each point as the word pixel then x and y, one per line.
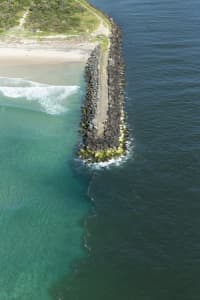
pixel 116 82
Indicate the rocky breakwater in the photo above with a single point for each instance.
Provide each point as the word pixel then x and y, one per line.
pixel 110 142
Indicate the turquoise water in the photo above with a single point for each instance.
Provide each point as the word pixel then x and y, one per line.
pixel 42 202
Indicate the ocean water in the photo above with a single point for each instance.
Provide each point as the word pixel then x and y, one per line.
pixel 141 226
pixel 144 233
pixel 42 199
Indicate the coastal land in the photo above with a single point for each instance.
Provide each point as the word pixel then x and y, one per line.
pixel 74 31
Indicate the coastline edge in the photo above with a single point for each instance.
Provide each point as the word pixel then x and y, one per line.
pixel 112 143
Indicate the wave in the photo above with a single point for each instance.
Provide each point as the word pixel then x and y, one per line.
pixel 114 162
pixel 15 81
pixel 50 97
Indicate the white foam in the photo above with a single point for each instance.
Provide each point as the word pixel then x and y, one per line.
pixel 15 81
pixel 110 163
pixel 114 162
pixel 51 98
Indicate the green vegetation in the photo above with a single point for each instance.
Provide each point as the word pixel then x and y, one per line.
pixel 49 16
pixel 10 12
pixel 60 16
pixel 103 41
pixel 100 156
pixel 94 10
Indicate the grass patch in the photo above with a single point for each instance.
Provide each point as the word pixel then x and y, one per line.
pixel 60 16
pixel 10 12
pixel 49 16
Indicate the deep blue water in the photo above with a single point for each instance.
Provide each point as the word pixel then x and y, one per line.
pixel 144 232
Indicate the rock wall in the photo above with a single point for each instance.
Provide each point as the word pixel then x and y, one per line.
pixel 112 143
pixel 115 89
pixel 88 130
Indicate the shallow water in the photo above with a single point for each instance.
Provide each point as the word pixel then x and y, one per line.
pixel 42 201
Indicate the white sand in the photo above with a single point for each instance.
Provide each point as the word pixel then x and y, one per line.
pixel 48 51
pixel 19 55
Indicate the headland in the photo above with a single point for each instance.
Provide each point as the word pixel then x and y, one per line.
pixel 80 32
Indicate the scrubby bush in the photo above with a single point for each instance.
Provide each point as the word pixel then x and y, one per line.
pixel 56 16
pixel 10 12
pixel 59 16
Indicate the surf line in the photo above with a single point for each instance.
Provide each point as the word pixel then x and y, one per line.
pixel 51 98
pixel 103 129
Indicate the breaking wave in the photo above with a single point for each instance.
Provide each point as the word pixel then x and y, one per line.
pixel 50 97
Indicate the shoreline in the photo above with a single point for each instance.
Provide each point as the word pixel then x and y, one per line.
pixel 102 126
pixel 38 52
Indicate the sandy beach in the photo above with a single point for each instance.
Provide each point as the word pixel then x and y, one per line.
pixel 33 52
